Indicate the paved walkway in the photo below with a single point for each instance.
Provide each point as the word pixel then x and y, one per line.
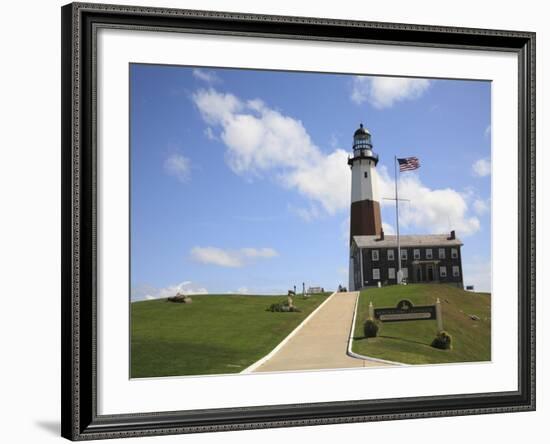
pixel 322 342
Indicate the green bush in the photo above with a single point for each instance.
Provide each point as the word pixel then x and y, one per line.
pixel 370 328
pixel 283 307
pixel 180 298
pixel 443 341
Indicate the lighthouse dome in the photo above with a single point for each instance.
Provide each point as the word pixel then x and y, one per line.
pixel 361 131
pixel 362 139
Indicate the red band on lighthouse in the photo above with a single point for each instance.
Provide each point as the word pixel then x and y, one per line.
pixel 365 218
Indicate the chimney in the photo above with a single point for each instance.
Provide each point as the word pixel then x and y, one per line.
pixel 453 235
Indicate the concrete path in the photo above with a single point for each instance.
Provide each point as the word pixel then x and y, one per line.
pixel 322 342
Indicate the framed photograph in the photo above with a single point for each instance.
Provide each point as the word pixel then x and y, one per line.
pixel 281 221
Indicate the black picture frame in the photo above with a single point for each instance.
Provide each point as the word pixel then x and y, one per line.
pixel 80 420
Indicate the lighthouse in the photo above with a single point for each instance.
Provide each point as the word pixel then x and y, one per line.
pixel 365 219
pixel 365 216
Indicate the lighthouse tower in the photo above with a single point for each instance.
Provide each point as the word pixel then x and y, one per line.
pixel 365 216
pixel 365 200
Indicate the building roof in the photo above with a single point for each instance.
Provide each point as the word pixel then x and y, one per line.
pixel 407 240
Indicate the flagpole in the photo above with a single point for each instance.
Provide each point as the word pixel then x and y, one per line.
pixel 397 224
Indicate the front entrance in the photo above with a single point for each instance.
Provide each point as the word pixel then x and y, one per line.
pixel 430 273
pixel 424 272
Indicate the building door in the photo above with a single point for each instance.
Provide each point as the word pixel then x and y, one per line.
pixel 418 274
pixel 430 274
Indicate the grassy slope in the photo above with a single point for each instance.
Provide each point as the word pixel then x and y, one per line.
pixel 213 334
pixel 409 342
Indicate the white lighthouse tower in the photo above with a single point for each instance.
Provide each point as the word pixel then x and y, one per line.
pixel 365 216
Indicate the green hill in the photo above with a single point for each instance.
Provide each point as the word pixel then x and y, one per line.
pixel 214 334
pixel 409 342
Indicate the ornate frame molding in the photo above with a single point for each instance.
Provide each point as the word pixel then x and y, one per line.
pixel 80 22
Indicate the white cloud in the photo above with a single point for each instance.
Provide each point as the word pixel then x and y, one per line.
pixel 344 230
pixel 384 92
pixel 326 180
pixel 260 140
pixel 487 131
pixel 210 135
pixel 388 229
pixel 242 290
pixel 482 167
pixel 216 256
pixel 264 253
pixel 481 206
pixel 216 108
pixel 148 292
pixel 230 258
pixel 429 210
pixel 207 76
pixel 178 166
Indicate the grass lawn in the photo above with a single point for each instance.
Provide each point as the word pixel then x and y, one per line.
pixel 409 342
pixel 214 334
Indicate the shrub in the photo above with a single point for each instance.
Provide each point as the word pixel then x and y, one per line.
pixel 370 328
pixel 282 307
pixel 183 299
pixel 443 341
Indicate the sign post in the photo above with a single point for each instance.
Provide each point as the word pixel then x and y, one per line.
pixel 438 316
pixel 289 298
pixel 371 310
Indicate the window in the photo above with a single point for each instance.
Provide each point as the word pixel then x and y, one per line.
pixel 443 272
pixel 405 273
pixel 429 253
pixel 404 254
pixel 391 273
pixel 456 271
pixel 376 273
pixel 374 255
pixel 366 175
pixel 454 253
pixel 442 253
pixel 390 255
pixel 416 253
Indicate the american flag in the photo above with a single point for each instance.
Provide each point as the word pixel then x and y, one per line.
pixel 408 164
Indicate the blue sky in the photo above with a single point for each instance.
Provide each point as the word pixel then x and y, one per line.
pixel 239 181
